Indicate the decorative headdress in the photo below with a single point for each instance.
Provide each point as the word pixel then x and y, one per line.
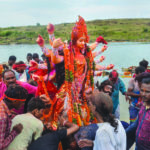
pixel 80 30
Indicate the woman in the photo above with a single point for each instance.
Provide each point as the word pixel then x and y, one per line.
pixel 110 134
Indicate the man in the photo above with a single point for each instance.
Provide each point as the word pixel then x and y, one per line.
pixel 50 141
pixel 36 58
pixel 118 86
pixel 11 61
pixel 15 96
pixel 21 71
pixel 106 87
pixel 32 126
pixel 134 92
pixel 29 57
pixel 144 63
pixel 9 79
pixel 142 124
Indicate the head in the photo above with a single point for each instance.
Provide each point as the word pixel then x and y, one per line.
pixel 36 107
pixel 35 57
pixel 142 76
pixel 106 87
pixel 79 34
pixel 20 67
pixel 9 77
pixel 143 63
pixel 101 106
pixel 11 60
pixel 43 57
pixel 139 70
pixel 113 76
pixel 100 103
pixel 145 90
pixel 29 57
pixel 15 96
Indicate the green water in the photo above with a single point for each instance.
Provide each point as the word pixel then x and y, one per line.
pixel 122 54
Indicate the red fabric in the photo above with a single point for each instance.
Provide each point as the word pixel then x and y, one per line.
pixel 6 137
pixel 100 39
pixel 17 66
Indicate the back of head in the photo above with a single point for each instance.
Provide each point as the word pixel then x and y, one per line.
pixel 35 103
pixel 143 63
pixel 139 69
pixel 146 80
pixel 103 103
pixel 104 108
pixel 16 92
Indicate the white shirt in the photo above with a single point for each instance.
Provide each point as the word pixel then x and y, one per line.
pixel 107 139
pixel 32 129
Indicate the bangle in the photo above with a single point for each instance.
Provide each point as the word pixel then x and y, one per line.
pixel 64 122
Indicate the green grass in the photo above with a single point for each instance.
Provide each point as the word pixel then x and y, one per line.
pixel 136 30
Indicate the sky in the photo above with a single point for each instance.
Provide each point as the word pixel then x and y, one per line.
pixel 31 12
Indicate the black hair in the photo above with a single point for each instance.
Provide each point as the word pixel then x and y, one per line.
pixel 29 54
pixel 139 69
pixel 142 76
pixel 48 66
pixel 12 58
pixel 19 63
pixel 146 80
pixel 103 84
pixel 35 55
pixel 143 63
pixel 8 70
pixel 16 91
pixel 35 103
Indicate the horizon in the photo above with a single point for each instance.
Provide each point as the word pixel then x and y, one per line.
pixel 74 22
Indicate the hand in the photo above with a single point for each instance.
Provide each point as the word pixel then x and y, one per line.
pixel 45 99
pixel 85 143
pixel 57 42
pixel 33 63
pixel 104 48
pixel 100 39
pixel 109 67
pixel 50 28
pixel 62 120
pixel 102 58
pixel 18 128
pixel 40 41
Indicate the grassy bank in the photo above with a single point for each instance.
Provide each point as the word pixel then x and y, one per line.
pixel 113 30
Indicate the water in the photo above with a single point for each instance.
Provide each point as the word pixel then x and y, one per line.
pixel 122 54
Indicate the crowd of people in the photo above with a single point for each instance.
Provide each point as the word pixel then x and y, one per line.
pixel 53 104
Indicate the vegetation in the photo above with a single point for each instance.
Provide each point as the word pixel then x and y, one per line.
pixel 113 30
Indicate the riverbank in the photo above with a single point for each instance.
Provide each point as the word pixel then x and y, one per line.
pixel 114 30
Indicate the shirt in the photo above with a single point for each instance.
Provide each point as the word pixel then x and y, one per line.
pixel 6 136
pixel 118 86
pixel 107 139
pixel 49 141
pixel 143 129
pixel 30 88
pixel 32 129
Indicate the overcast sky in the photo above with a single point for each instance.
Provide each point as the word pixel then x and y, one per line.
pixel 30 12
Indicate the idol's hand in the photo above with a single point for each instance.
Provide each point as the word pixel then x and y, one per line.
pixel 100 39
pixel 40 41
pixel 50 28
pixel 102 58
pixel 57 43
pixel 104 48
pixel 109 67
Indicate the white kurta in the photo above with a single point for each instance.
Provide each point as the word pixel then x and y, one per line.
pixel 107 139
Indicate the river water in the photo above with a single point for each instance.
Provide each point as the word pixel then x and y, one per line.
pixel 121 54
